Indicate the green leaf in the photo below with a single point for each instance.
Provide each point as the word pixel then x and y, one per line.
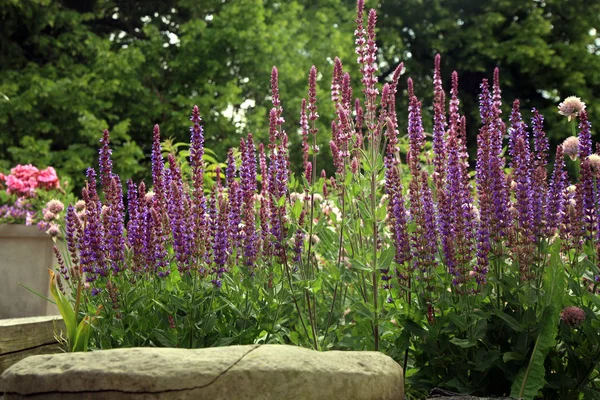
pixel 513 356
pixel 65 309
pixel 530 380
pixel 82 336
pixel 463 343
pixel 510 321
pixel 297 210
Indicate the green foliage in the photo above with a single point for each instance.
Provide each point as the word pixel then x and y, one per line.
pixel 78 333
pixel 72 69
pixel 546 50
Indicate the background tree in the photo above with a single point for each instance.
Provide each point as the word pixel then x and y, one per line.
pixel 546 50
pixel 70 68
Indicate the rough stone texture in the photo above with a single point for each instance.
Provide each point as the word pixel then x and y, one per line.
pixel 25 256
pixel 233 373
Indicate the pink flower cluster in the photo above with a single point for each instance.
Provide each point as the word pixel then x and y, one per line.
pixel 24 179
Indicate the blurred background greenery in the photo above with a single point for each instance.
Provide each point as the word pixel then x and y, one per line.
pixel 70 68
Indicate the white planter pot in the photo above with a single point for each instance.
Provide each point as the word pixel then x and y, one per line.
pixel 25 257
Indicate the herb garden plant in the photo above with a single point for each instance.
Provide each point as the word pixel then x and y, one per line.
pixel 481 282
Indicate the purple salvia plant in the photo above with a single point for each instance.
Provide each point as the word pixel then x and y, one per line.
pixel 500 196
pixel 92 247
pixel 220 243
pixel 74 233
pixel 585 136
pixel 539 178
pixel 424 238
pixel 105 162
pixel 299 239
pixel 416 135
pixel 336 80
pixel 358 124
pixel 485 156
pixel 556 194
pixel 235 203
pixel 176 212
pixel 248 190
pixel 397 215
pixel 158 167
pixel 135 226
pixel 521 162
pixel 304 130
pixel 586 199
pixel 198 206
pixel 114 221
pixel 439 127
pixel 156 245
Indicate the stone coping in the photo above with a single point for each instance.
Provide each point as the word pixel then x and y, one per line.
pixel 20 230
pixel 235 373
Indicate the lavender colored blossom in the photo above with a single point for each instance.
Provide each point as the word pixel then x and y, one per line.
pixel 585 136
pixel 220 240
pixel 105 161
pixel 397 211
pixel 248 189
pixel 114 225
pixel 336 80
pixel 74 233
pixel 304 129
pixel 176 211
pixel 539 183
pixel 92 248
pixel 416 134
pixel 158 167
pixel 556 198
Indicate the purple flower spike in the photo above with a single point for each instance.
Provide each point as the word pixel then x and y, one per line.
pixel 92 247
pixel 158 167
pixel 585 136
pixel 105 161
pixel 556 198
pixel 539 183
pixel 74 233
pixel 248 189
pixel 114 224
pixel 176 209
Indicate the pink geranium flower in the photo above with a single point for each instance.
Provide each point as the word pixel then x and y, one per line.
pixel 48 179
pixel 22 180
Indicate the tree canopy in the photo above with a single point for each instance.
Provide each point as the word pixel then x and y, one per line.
pixel 70 68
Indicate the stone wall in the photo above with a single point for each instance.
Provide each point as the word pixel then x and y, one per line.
pixel 25 256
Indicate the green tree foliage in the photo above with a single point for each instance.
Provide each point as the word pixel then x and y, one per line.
pixel 69 68
pixel 546 50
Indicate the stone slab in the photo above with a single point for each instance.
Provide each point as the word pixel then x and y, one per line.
pixel 234 373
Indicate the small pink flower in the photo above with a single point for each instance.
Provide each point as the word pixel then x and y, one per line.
pixel 594 161
pixel 571 107
pixel 80 205
pixel 53 231
pixel 571 147
pixel 573 316
pixel 55 206
pixel 49 216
